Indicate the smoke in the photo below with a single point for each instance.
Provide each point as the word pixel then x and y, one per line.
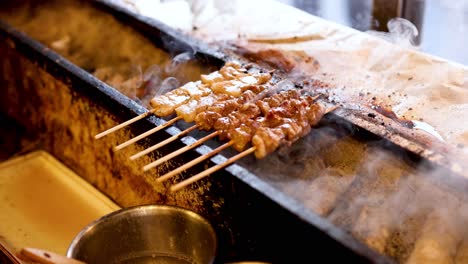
pixel 142 85
pixel 411 211
pixel 152 74
pixel 157 79
pixel 162 78
pixel 400 206
pixel 179 60
pixel 283 85
pixel 400 32
pixel 168 84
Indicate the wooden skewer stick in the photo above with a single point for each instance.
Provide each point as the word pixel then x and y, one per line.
pixel 331 109
pixel 194 162
pixel 124 124
pixel 163 143
pixel 179 151
pixel 215 168
pixel 147 133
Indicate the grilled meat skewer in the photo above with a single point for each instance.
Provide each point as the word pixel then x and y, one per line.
pixel 286 123
pixel 288 117
pixel 230 80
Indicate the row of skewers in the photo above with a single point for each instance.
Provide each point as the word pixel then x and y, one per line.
pixel 241 105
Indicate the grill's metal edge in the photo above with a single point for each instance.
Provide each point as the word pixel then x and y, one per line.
pixel 57 66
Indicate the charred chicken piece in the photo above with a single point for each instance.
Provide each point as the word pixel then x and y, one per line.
pixel 231 80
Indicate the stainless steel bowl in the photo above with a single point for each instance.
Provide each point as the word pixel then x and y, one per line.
pixel 146 234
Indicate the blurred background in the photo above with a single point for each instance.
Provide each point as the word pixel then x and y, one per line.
pixel 442 24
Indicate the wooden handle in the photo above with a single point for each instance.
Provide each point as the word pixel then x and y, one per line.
pixel 47 257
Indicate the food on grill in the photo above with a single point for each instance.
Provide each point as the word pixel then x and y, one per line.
pixel 283 116
pixel 286 122
pixel 234 101
pixel 189 110
pixel 230 81
pixel 280 119
pixel 208 119
pixel 231 101
pixel 165 104
pixel 195 97
pixel 241 105
pixel 287 114
pixel 214 108
pixel 235 122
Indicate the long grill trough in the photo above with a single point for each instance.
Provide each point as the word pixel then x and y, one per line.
pixel 369 192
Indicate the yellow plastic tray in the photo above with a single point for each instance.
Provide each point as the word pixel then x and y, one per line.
pixel 43 204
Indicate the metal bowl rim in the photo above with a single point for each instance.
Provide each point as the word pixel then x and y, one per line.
pixel 138 209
